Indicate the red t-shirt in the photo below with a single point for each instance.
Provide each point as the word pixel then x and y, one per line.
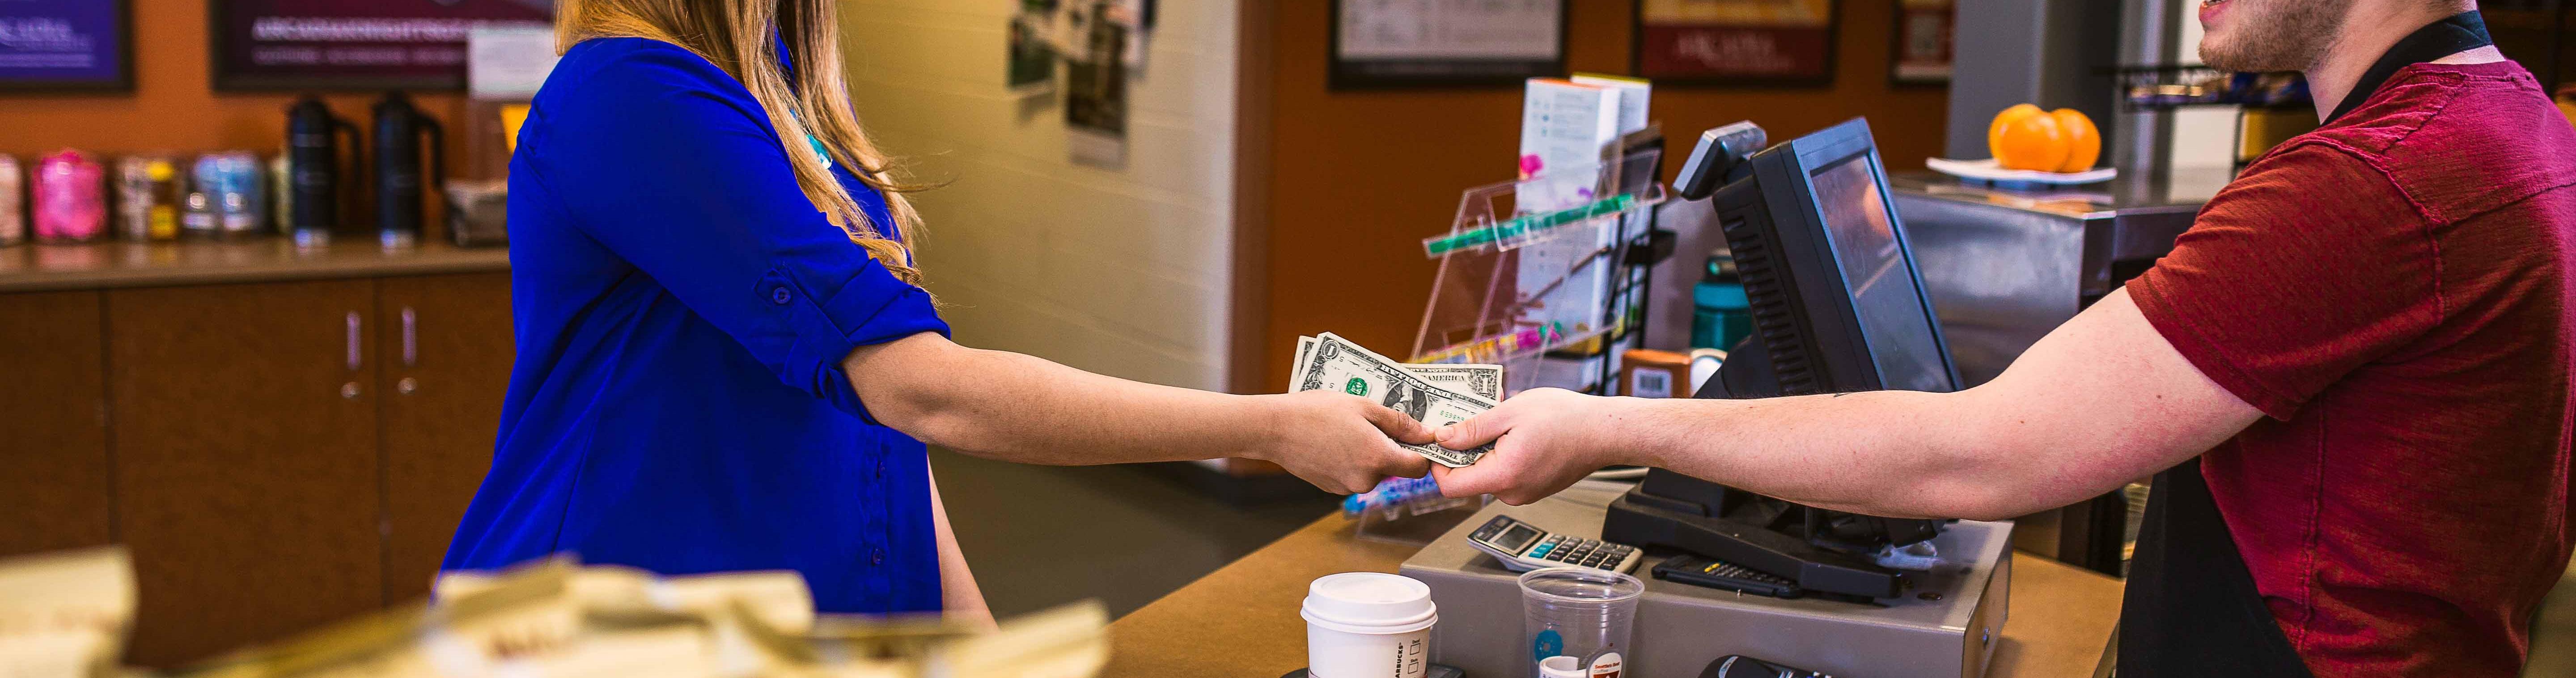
pixel 2393 291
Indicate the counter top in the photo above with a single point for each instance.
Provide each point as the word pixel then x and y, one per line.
pixel 30 267
pixel 1242 621
pixel 2178 190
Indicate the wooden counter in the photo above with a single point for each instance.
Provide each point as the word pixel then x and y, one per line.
pixel 28 267
pixel 1241 621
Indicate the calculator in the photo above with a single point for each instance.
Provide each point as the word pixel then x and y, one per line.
pixel 1523 547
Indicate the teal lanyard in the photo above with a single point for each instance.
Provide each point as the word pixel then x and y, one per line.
pixel 819 151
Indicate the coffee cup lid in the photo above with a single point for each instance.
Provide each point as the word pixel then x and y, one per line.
pixel 1370 602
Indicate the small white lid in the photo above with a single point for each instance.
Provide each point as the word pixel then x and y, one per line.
pixel 1369 602
pixel 1561 666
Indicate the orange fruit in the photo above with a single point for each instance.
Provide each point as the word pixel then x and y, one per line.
pixel 2031 142
pixel 2083 142
pixel 1995 130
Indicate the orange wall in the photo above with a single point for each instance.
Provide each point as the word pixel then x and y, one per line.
pixel 173 105
pixel 1360 177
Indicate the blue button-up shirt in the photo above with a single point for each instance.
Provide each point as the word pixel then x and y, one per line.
pixel 678 403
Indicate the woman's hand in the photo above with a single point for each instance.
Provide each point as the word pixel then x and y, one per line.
pixel 1342 443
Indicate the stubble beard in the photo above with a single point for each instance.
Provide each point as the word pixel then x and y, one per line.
pixel 2274 35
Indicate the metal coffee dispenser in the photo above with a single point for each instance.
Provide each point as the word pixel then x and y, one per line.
pixel 313 170
pixel 399 128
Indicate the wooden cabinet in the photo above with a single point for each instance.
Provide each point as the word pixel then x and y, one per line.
pixel 282 437
pixel 276 455
pixel 247 470
pixel 55 490
pixel 446 365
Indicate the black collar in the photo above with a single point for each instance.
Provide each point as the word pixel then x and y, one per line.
pixel 2460 33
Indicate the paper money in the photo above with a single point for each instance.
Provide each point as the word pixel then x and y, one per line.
pixel 1339 364
pixel 1072 640
pixel 557 619
pixel 65 614
pixel 1478 380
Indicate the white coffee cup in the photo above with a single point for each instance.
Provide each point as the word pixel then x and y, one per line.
pixel 1368 625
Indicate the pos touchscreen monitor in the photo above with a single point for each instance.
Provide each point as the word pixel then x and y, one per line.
pixel 1837 307
pixel 1836 300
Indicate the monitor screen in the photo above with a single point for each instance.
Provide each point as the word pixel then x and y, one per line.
pixel 1893 317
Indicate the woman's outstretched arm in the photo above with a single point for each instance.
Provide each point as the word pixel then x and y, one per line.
pixel 1013 407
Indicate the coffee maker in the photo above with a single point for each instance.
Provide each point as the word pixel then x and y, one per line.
pixel 314 182
pixel 399 128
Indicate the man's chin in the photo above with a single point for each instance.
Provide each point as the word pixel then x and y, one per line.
pixel 2218 58
pixel 2228 57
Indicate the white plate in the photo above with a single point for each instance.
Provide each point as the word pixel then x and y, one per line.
pixel 1989 170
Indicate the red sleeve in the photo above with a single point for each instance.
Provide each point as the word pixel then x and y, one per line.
pixel 2309 265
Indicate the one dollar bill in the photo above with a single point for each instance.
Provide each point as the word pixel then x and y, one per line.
pixel 1339 364
pixel 1472 379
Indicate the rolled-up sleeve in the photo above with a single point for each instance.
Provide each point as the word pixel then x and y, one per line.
pixel 686 181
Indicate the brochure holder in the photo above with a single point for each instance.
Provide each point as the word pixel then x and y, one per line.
pixel 1545 275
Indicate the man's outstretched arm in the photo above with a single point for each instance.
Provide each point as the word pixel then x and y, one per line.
pixel 2100 401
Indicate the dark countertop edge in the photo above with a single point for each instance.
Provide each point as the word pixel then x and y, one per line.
pixel 429 262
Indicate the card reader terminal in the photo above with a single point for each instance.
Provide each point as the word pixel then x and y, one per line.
pixel 1523 547
pixel 1740 666
pixel 1719 574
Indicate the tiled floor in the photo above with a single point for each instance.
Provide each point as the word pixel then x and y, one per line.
pixel 1039 536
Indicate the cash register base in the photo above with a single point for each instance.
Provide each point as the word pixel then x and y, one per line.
pixel 1945 627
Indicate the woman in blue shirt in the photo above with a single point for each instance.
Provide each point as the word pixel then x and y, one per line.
pixel 724 359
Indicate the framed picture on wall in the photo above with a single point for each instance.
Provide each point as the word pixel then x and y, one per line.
pixel 1923 30
pixel 1382 44
pixel 353 44
pixel 1736 42
pixel 67 45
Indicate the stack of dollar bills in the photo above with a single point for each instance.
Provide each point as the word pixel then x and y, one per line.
pixel 1435 394
pixel 64 615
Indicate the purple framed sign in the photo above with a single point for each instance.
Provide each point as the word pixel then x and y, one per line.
pixel 66 45
pixel 353 44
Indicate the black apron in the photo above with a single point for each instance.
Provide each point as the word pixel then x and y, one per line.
pixel 2191 609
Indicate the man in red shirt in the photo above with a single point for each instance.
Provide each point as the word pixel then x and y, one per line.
pixel 2355 364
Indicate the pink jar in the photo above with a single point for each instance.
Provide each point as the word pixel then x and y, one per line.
pixel 71 198
pixel 13 205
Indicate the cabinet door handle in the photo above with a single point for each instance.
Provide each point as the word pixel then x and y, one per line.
pixel 411 342
pixel 353 341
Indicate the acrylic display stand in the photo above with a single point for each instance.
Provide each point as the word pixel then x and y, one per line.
pixel 1551 290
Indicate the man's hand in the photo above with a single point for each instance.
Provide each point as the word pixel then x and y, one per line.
pixel 1341 442
pixel 1544 440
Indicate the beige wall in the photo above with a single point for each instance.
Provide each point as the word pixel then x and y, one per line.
pixel 1124 272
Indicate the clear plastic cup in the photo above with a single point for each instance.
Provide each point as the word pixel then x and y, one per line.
pixel 1579 612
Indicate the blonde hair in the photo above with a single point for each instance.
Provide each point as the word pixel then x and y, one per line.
pixel 814 102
